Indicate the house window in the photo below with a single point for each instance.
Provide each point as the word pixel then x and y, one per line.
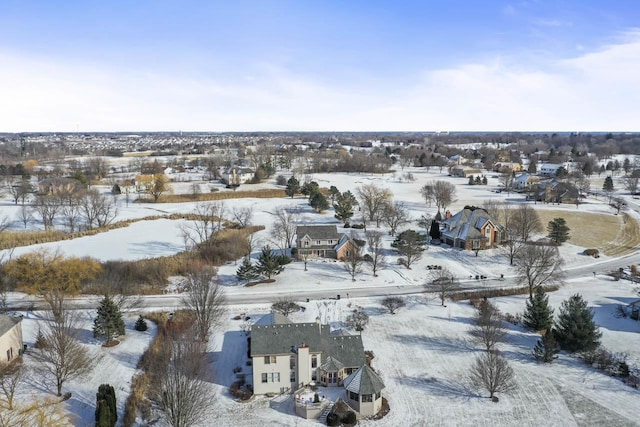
pixel 306 243
pixel 274 377
pixel 292 377
pixel 264 378
pixel 314 375
pixel 475 244
pixel 314 361
pixel 269 360
pixel 292 362
pixel 377 396
pixel 317 242
pixel 367 398
pixel 353 396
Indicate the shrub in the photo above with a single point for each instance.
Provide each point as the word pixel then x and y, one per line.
pixel 515 319
pixel 141 324
pixel 592 252
pixel 281 180
pixel 106 411
pixel 349 418
pixel 333 419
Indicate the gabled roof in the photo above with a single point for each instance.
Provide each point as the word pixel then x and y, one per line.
pixel 467 224
pixel 281 339
pixel 273 318
pixel 318 232
pixel 8 322
pixel 364 381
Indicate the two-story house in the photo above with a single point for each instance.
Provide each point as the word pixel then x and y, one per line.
pixel 287 356
pixel 10 337
pixel 472 228
pixel 323 241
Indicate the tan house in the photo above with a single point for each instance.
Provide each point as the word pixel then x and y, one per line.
pixel 323 241
pixel 289 357
pixel 472 228
pixel 59 185
pixel 10 337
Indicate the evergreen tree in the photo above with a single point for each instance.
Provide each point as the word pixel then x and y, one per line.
pixel 410 244
pixel 608 184
pixel 538 315
pixel 434 230
pixel 484 180
pixel 471 180
pixel 268 263
pixel 344 206
pixel 318 202
pixel 587 169
pixel 141 324
pixel 106 411
pixel 575 328
pixel 478 181
pixel 293 187
pixel 547 348
pixel 334 194
pixel 246 271
pixel 310 188
pixel 108 322
pixel 533 167
pixel 558 231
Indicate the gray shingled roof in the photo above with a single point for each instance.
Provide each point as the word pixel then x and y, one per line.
pixel 318 232
pixel 330 364
pixel 280 339
pixel 273 319
pixel 8 322
pixel 467 223
pixel 364 381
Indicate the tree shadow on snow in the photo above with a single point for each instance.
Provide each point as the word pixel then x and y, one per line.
pixel 442 343
pixel 439 387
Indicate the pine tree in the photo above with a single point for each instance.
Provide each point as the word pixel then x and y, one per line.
pixel 558 231
pixel 547 348
pixel 318 202
pixel 608 184
pixel 575 328
pixel 108 322
pixel 246 271
pixel 344 206
pixel 141 324
pixel 268 263
pixel 471 180
pixel 434 230
pixel 293 187
pixel 538 315
pixel 106 411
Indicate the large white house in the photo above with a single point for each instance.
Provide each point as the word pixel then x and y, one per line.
pixel 10 337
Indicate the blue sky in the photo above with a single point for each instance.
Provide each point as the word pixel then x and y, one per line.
pixel 319 65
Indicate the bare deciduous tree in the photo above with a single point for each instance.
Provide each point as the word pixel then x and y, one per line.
pixel 285 306
pixel 537 265
pixel 393 304
pixel 11 375
pixel 358 319
pixel 373 199
pixel 352 261
pixel 179 387
pixel 205 298
pixel 489 329
pixel 442 193
pixel 201 232
pixel 242 215
pixel 506 179
pixel 493 373
pixel 48 207
pixel 444 283
pixel 376 251
pixel 99 209
pixel 284 227
pixel 63 357
pixel 526 220
pixel 396 215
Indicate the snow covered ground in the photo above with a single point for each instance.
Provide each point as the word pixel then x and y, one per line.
pixel 422 352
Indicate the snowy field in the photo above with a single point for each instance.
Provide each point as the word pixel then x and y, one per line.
pixel 422 353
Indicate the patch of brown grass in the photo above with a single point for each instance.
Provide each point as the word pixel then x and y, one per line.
pixel 613 234
pixel 218 195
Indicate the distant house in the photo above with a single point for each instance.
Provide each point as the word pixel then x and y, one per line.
pixel 525 181
pixel 237 175
pixel 59 185
pixel 549 169
pixel 323 241
pixel 507 167
pixel 552 191
pixel 464 171
pixel 472 228
pixel 10 337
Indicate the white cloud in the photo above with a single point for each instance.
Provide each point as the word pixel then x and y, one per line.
pixel 597 90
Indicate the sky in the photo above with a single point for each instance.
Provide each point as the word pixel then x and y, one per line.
pixel 307 65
